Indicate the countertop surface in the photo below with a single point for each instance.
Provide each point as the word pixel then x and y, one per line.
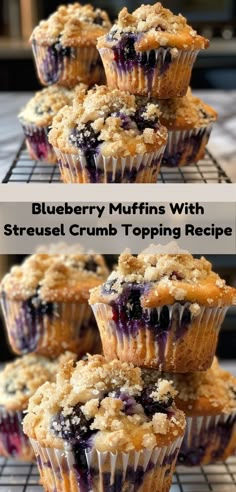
pixel 222 143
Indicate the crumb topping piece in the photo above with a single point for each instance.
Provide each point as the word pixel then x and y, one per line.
pixel 107 402
pixel 165 279
pixel 42 108
pixel 55 276
pixel 20 379
pixel 154 27
pixel 186 112
pixel 72 25
pixel 111 122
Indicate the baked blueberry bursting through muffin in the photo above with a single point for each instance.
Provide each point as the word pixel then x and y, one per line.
pixel 53 61
pixel 75 429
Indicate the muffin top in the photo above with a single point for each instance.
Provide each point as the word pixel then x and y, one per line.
pixel 46 103
pixel 202 393
pixel 162 279
pixel 72 25
pixel 20 379
pixel 49 277
pixel 186 112
pixel 152 27
pixel 106 406
pixel 112 122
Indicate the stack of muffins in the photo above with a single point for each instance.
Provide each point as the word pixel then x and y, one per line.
pixel 116 421
pixel 145 115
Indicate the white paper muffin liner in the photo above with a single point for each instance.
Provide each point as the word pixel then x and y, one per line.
pixel 67 327
pixel 13 442
pixel 143 168
pixel 181 150
pixel 37 142
pixel 162 81
pixel 82 65
pixel 58 469
pixel 208 439
pixel 173 349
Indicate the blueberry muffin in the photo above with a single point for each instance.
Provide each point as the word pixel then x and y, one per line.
pixel 150 52
pixel 36 119
pixel 45 303
pixel 209 401
pixel 189 123
pixel 18 382
pixel 162 311
pixel 109 136
pixel 100 427
pixel 64 45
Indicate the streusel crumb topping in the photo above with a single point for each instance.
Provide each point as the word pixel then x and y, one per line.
pixel 20 379
pixel 154 27
pixel 55 276
pixel 186 112
pixel 72 25
pixel 41 109
pixel 109 403
pixel 212 391
pixel 166 279
pixel 111 121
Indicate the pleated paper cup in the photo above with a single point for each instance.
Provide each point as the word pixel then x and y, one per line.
pixel 68 66
pixel 186 147
pixel 77 168
pixel 184 343
pixel 157 73
pixel 49 329
pixel 145 471
pixel 13 442
pixel 37 143
pixel 208 439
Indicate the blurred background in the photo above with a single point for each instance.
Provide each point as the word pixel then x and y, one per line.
pixel 215 19
pixel 225 265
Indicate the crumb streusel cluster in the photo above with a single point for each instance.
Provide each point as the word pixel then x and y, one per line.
pixel 46 103
pixel 110 401
pixel 115 121
pixel 55 277
pixel 73 25
pixel 20 379
pixel 155 26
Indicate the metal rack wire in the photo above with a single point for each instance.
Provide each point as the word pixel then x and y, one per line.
pixel 221 477
pixel 25 170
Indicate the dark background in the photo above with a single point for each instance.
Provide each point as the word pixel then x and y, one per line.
pixel 225 265
pixel 216 19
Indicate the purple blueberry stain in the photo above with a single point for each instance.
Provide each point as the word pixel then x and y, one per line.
pixel 86 139
pixel 187 147
pixel 53 61
pixel 11 435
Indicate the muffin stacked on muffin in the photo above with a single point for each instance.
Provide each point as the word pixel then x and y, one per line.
pixel 45 303
pixel 151 53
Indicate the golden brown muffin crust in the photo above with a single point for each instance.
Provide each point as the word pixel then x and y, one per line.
pixel 170 279
pixel 74 25
pixel 186 112
pixel 41 109
pixel 55 277
pixel 155 27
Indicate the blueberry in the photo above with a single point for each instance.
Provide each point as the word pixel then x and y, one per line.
pixel 98 20
pixel 91 266
pixel 10 390
pixel 150 405
pixel 72 427
pixel 86 139
pixel 177 275
pixel 133 307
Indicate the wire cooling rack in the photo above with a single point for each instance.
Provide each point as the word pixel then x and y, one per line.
pixel 216 478
pixel 25 170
